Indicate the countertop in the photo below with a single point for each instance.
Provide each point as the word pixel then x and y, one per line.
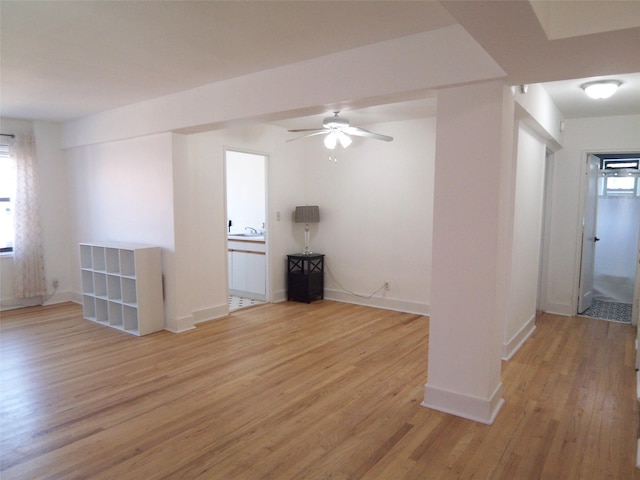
pixel 245 238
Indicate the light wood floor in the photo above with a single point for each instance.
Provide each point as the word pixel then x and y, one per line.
pixel 297 391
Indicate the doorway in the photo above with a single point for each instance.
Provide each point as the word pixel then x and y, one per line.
pixel 617 214
pixel 246 187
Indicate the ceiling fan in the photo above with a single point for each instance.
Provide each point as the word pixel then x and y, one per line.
pixel 338 130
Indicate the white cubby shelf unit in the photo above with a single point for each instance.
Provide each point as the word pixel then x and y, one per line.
pixel 122 286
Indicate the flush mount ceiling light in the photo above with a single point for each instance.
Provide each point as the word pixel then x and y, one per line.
pixel 601 89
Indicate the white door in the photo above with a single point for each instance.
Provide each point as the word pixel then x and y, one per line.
pixel 589 238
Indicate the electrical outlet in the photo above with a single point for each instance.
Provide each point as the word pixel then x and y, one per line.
pixel 387 286
pixel 55 283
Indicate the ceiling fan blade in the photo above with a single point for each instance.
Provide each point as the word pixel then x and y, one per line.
pixel 313 133
pixel 306 130
pixel 361 132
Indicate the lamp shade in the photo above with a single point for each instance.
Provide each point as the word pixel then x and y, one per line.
pixel 307 214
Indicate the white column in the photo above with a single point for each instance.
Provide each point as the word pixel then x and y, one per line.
pixel 474 143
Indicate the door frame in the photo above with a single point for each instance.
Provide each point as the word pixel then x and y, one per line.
pixel 266 157
pixel 581 212
pixel 588 233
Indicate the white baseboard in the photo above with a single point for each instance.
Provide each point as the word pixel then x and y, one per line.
pixel 181 324
pixel 62 297
pixel 13 303
pixel 189 322
pixel 9 303
pixel 482 410
pixel 513 345
pixel 378 302
pixel 559 309
pixel 75 297
pixel 210 313
pixel 279 296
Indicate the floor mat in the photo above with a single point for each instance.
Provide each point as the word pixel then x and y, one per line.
pixel 617 312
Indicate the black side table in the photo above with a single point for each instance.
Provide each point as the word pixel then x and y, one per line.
pixel 305 277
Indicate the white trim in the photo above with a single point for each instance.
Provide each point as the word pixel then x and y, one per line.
pixel 483 410
pixel 75 297
pixel 560 309
pixel 210 313
pixel 279 296
pixel 61 297
pixel 510 348
pixel 11 303
pixel 638 454
pixel 183 324
pixel 379 302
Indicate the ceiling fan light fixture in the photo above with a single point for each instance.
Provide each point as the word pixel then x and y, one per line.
pixel 331 140
pixel 344 139
pixel 601 89
pixel 338 130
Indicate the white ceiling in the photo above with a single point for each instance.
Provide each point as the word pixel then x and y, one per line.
pixel 574 103
pixel 67 59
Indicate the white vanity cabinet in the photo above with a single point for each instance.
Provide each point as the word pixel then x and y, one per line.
pixel 122 286
pixel 247 268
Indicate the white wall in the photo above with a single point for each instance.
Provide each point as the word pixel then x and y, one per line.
pixel 471 249
pixel 54 209
pixel 54 213
pixel 542 115
pixel 527 235
pixel 168 190
pixel 604 134
pixel 207 245
pixel 392 186
pixel 123 191
pixel 376 206
pixel 376 214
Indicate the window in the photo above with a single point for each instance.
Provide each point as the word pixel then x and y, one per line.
pixel 617 163
pixel 620 185
pixel 7 195
pixel 619 177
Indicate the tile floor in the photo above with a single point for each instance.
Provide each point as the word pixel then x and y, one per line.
pixel 236 303
pixel 617 312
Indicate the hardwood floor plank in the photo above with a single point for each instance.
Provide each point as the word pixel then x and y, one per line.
pixel 304 391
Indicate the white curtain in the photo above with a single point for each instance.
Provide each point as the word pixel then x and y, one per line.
pixel 28 270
